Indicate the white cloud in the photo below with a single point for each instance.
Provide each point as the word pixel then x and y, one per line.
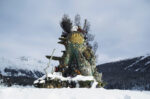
pixel 32 28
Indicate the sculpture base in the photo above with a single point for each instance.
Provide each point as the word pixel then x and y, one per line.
pixel 55 80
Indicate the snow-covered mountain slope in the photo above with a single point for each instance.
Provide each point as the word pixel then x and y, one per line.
pixel 131 73
pixel 23 66
pixel 67 93
pixel 142 64
pixel 21 71
pixel 137 64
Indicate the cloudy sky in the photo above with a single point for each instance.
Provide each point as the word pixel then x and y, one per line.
pixel 31 27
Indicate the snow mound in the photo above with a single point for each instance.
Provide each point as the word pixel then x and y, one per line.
pixel 67 93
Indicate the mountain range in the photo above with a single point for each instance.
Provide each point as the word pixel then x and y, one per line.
pixel 133 73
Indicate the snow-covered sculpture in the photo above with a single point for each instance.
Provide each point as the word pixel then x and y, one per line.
pixel 78 57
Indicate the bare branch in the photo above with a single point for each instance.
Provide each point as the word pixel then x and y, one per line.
pixel 77 20
pixel 86 26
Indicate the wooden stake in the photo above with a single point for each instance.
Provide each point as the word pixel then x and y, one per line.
pixel 48 65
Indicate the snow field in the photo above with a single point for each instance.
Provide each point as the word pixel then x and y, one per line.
pixel 67 93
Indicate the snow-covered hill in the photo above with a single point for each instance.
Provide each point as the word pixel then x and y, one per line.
pixel 68 93
pixel 136 64
pixel 133 73
pixel 22 70
pixel 142 64
pixel 20 66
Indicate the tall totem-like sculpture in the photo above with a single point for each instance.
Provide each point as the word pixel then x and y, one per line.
pixel 78 57
pixel 78 61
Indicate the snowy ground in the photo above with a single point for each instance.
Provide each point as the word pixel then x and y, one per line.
pixel 67 93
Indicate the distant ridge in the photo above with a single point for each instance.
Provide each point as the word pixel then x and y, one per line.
pixel 133 73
